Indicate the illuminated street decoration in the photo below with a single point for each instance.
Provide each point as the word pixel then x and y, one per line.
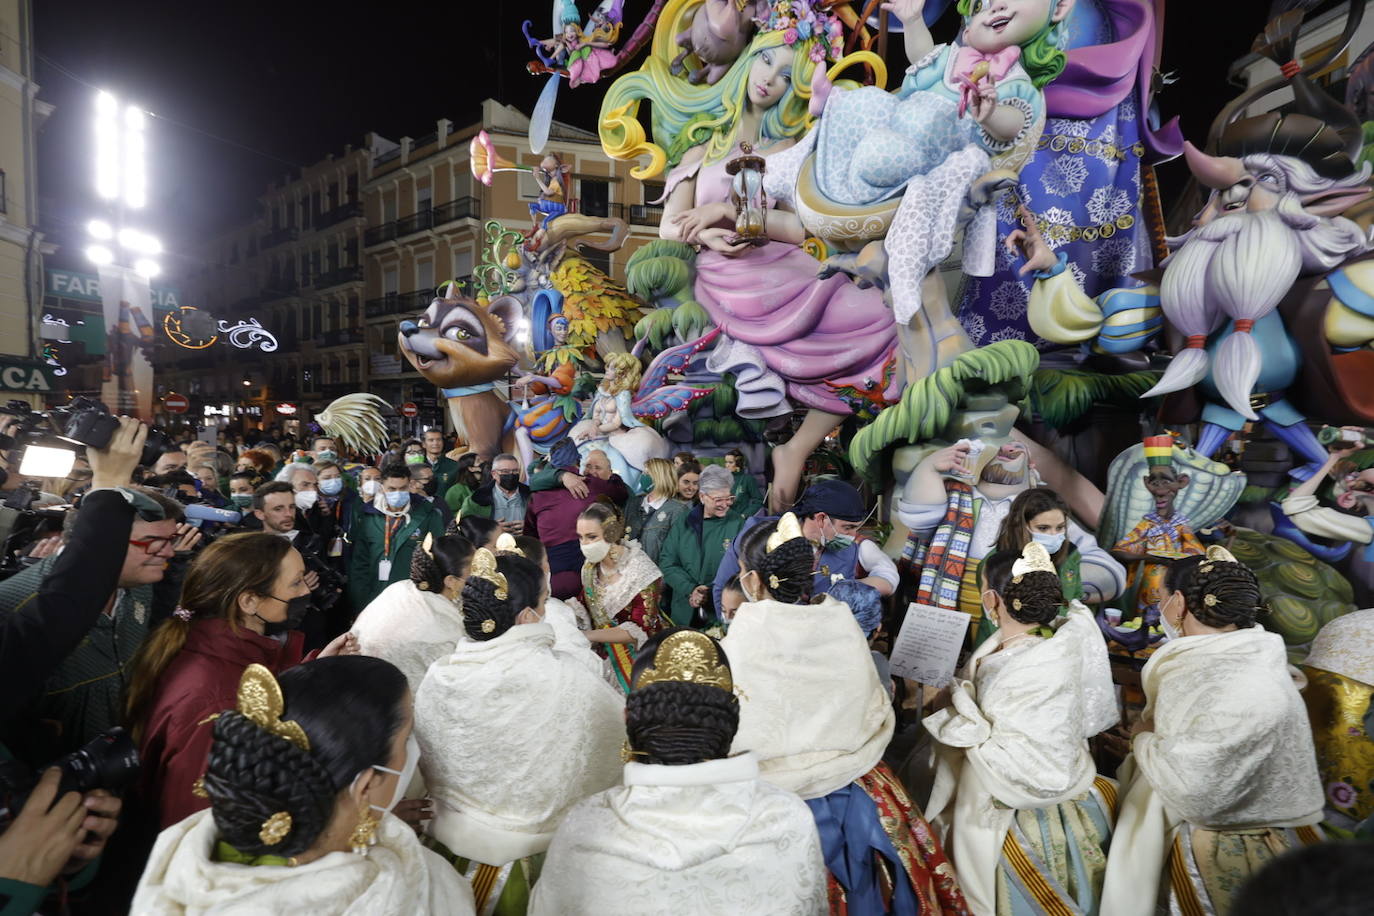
pixel 190 328
pixel 248 333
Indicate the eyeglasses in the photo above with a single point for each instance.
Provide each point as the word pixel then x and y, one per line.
pixel 153 545
pixel 727 500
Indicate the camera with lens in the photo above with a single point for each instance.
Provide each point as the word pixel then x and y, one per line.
pixel 109 761
pixel 87 422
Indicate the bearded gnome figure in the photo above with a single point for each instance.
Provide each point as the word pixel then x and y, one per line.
pixel 1268 299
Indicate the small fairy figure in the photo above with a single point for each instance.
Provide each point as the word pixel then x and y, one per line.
pixel 611 424
pixel 592 54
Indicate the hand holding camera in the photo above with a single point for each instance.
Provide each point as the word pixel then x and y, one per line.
pixel 113 465
pixel 42 839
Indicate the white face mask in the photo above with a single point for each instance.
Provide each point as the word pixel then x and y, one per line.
pixel 305 499
pixel 745 590
pixel 596 551
pixel 368 488
pixel 1166 622
pixel 403 776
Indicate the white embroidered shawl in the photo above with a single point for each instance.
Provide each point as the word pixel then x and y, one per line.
pixel 398 877
pixel 1015 737
pixel 709 838
pixel 1345 646
pixel 410 628
pixel 513 734
pixel 1231 749
pixel 811 705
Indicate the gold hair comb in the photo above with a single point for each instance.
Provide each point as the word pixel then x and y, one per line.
pixel 1034 558
pixel 427 545
pixel 1218 554
pixel 506 544
pixel 275 828
pixel 484 567
pixel 687 656
pixel 260 701
pixel 789 529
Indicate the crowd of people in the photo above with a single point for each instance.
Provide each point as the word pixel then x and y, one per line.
pixel 421 683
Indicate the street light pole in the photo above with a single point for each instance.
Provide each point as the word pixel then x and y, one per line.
pixel 124 255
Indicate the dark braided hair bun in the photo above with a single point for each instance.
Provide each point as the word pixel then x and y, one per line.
pixel 677 723
pixel 350 708
pixel 486 616
pixel 252 775
pixel 1035 599
pixel 789 565
pixel 451 555
pixel 1222 594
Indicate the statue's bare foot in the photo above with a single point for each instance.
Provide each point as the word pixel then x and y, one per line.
pixel 868 267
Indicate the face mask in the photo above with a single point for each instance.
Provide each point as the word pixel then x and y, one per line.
pixel 331 486
pixel 403 776
pixel 646 483
pixel 596 551
pixel 415 459
pixel 398 499
pixel 839 542
pixel 327 455
pixel 509 482
pixel 1167 615
pixel 296 609
pixel 431 488
pixel 1051 542
pixel 242 500
pixel 368 488
pixel 745 590
pixel 305 499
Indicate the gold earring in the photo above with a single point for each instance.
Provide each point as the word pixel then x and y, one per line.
pixel 365 834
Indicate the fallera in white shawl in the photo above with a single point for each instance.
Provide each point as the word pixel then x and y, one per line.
pixel 410 628
pixel 513 734
pixel 1231 749
pixel 811 705
pixel 569 640
pixel 1345 646
pixel 709 838
pixel 1015 737
pixel 398 877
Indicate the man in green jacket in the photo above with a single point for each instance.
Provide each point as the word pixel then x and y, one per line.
pixel 696 545
pixel 384 535
pixel 445 468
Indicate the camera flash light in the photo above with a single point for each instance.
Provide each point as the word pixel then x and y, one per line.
pixel 45 461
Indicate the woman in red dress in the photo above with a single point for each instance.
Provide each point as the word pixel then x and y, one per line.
pixel 621 587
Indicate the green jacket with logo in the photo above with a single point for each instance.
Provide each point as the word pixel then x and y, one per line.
pixel 368 537
pixel 691 555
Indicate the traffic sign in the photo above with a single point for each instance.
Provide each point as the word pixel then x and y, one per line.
pixel 176 403
pixel 409 410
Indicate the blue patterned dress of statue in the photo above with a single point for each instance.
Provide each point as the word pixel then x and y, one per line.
pixel 871 142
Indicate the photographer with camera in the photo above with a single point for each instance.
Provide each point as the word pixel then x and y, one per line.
pixel 286 512
pixel 71 623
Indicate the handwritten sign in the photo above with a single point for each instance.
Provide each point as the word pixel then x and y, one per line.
pixel 927 648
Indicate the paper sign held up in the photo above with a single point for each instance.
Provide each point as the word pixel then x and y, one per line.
pixel 927 648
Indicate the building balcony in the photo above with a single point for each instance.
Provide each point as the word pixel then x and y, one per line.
pixel 338 276
pixel 340 337
pixel 278 236
pixel 339 214
pixel 646 214
pixel 378 235
pixel 462 208
pixel 399 303
pixel 416 222
pixel 278 291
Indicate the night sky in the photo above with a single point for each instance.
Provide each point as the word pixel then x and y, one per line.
pixel 285 83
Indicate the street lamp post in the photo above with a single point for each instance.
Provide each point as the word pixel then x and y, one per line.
pixel 124 255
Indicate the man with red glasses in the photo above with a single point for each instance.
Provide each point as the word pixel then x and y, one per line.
pixel 96 602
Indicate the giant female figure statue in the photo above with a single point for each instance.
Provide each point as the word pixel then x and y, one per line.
pixel 825 344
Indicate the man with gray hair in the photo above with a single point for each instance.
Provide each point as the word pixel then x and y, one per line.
pixel 1271 292
pixel 695 548
pixel 503 498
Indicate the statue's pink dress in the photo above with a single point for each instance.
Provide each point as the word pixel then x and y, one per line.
pixel 825 344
